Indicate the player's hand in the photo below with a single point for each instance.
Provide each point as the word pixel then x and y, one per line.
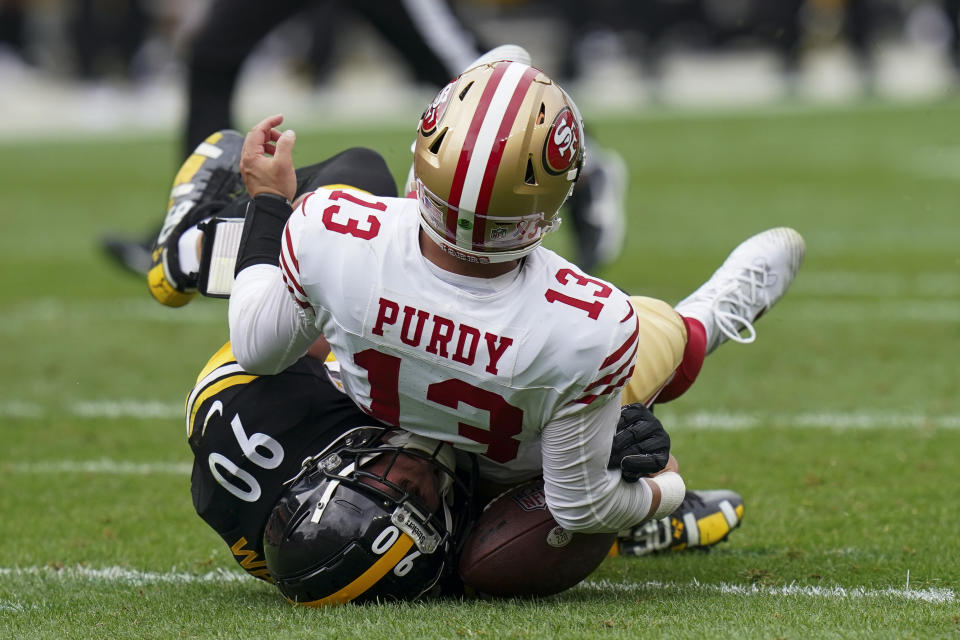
pixel 266 160
pixel 641 445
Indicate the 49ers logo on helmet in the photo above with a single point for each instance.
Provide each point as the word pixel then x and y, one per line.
pixel 563 143
pixel 434 111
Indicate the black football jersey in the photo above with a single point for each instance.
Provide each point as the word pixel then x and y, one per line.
pixel 249 435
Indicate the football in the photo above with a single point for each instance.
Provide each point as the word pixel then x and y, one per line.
pixel 517 549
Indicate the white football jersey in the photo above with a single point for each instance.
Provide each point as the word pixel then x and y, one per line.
pixel 481 364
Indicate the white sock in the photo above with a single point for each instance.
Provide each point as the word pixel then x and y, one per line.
pixel 704 314
pixel 189 247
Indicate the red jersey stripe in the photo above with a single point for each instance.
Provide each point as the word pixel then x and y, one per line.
pixel 303 203
pixel 288 248
pixel 291 276
pixel 616 355
pixel 610 389
pixel 607 378
pixel 301 303
pixel 292 284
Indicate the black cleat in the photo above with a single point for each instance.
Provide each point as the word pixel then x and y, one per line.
pixel 132 255
pixel 207 181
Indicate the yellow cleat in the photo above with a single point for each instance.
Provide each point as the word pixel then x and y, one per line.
pixel 703 519
pixel 207 181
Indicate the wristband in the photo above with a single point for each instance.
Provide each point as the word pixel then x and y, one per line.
pixel 264 220
pixel 273 196
pixel 672 491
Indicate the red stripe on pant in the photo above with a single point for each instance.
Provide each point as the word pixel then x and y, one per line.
pixel 689 369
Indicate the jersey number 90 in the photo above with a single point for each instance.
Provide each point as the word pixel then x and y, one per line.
pixel 258 448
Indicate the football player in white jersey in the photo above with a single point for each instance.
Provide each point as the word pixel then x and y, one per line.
pixel 448 317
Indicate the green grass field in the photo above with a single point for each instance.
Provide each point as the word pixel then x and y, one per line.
pixel 840 426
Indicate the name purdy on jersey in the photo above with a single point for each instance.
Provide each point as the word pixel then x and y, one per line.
pixel 482 364
pixel 440 336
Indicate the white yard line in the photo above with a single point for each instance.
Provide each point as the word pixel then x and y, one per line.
pixel 879 285
pixel 95 409
pixel 838 421
pixel 122 575
pixel 696 420
pixel 935 162
pixel 912 311
pixel 923 295
pixel 125 576
pixel 937 596
pixel 29 314
pixel 103 466
pixel 148 410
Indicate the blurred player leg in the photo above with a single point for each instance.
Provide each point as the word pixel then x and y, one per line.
pixel 952 9
pixel 598 208
pixel 437 45
pixel 230 30
pixel 429 34
pixel 229 33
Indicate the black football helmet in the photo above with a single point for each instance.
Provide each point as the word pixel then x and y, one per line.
pixel 341 533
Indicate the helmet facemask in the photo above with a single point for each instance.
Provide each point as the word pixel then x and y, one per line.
pixel 348 530
pixel 500 243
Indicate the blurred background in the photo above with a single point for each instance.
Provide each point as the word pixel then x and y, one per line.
pixel 116 65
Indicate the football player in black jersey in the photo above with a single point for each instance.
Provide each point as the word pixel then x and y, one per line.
pixel 314 495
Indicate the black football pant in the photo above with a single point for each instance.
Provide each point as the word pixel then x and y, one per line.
pixel 357 167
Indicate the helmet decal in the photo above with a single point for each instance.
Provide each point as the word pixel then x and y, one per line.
pixel 434 111
pixel 562 147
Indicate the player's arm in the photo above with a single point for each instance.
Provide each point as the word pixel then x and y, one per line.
pixel 268 331
pixel 269 328
pixel 583 494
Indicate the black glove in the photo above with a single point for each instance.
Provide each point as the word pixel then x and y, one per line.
pixel 641 445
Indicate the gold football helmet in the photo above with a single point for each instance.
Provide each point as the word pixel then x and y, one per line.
pixel 498 151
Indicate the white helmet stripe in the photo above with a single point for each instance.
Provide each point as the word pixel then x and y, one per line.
pixel 488 135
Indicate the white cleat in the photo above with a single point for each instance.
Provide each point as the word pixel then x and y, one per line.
pixel 749 282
